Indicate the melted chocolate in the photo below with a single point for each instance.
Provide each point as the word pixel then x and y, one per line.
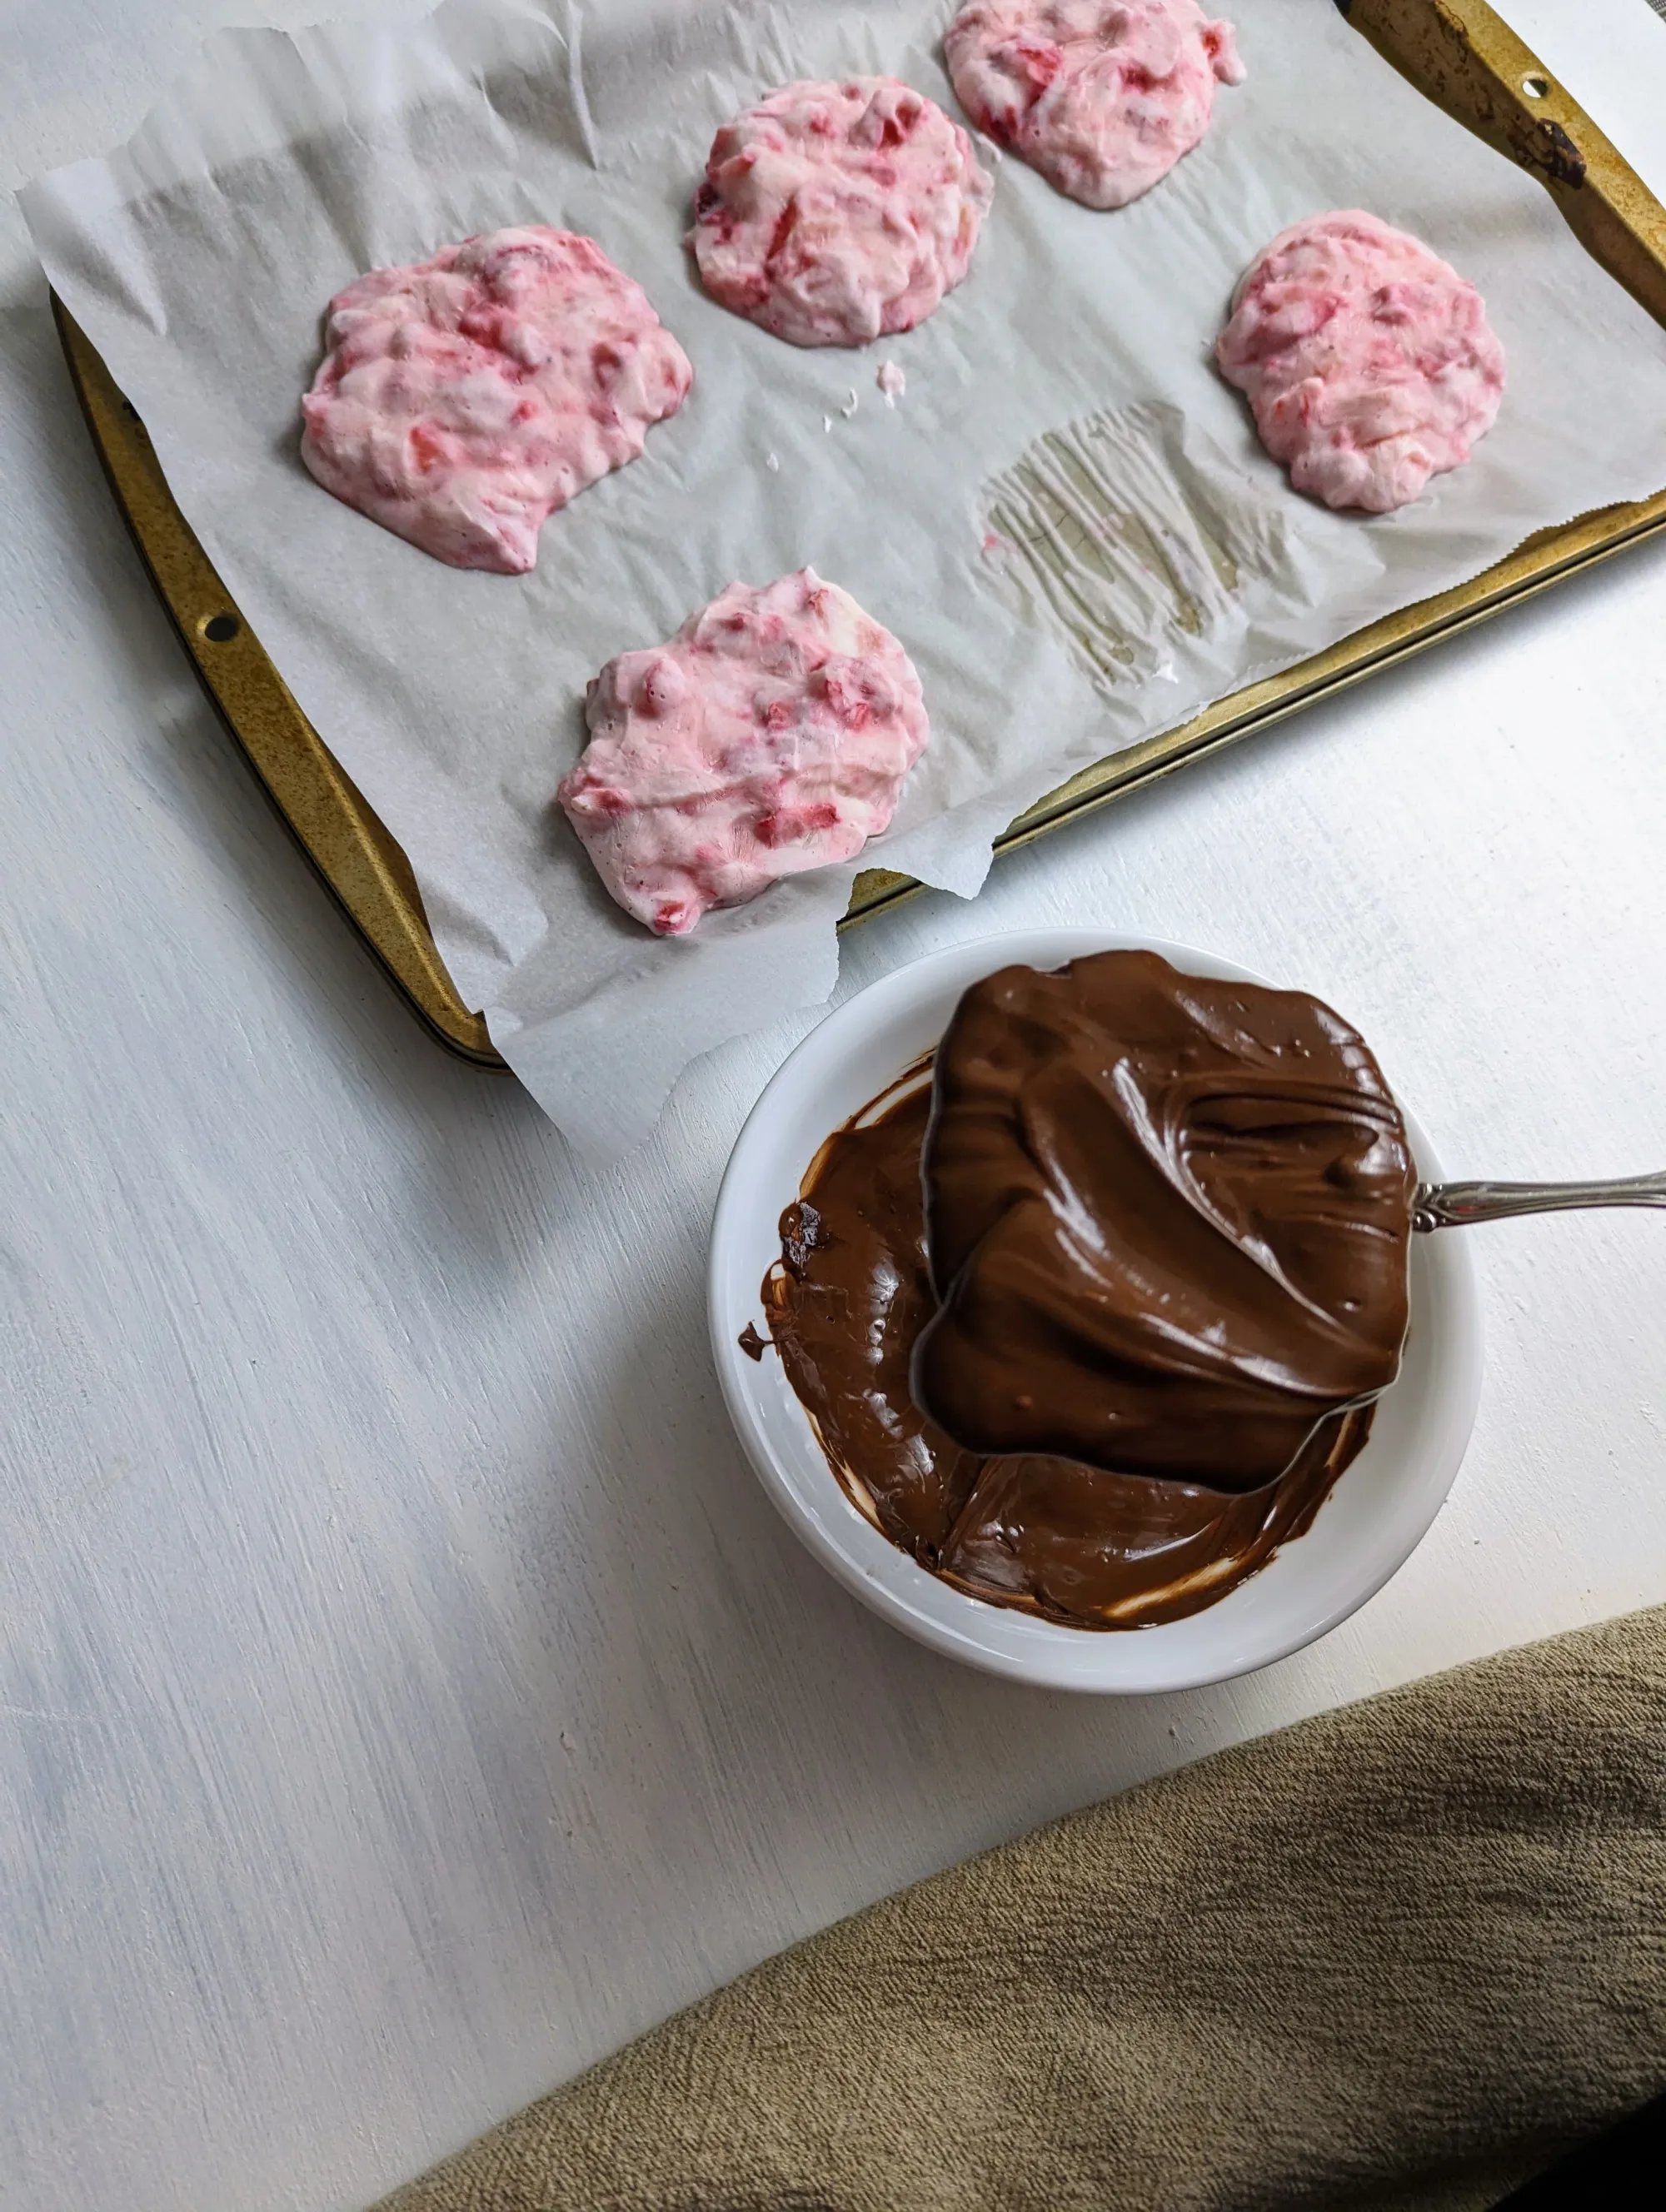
pixel 1169 1220
pixel 846 1304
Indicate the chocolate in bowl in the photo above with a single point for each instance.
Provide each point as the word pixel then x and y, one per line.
pixel 1168 1219
pixel 1371 1520
pixel 845 1306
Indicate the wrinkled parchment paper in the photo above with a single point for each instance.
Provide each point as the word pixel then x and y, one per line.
pixel 1065 392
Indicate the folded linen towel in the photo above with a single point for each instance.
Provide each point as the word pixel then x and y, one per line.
pixel 1398 1956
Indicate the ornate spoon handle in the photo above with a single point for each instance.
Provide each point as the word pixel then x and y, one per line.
pixel 1452 1205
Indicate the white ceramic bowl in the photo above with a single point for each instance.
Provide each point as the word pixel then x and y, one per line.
pixel 1368 1527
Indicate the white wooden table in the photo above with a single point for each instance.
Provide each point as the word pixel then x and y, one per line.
pixel 407 1693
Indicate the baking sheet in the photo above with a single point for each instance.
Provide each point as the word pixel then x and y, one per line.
pixel 200 258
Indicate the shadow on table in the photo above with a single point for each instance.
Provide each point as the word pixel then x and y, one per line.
pixel 745 1753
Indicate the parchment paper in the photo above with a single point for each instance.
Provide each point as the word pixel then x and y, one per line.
pixel 200 257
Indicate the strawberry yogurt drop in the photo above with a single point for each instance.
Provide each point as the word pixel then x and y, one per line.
pixel 833 214
pixel 466 397
pixel 771 735
pixel 1368 362
pixel 1101 98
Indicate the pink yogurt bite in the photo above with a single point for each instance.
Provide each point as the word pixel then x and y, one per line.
pixel 771 735
pixel 464 399
pixel 1367 360
pixel 1101 99
pixel 833 214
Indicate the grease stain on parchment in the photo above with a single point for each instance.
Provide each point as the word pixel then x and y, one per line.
pixel 1120 531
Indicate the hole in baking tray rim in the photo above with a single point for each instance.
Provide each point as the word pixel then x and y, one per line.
pixel 218 629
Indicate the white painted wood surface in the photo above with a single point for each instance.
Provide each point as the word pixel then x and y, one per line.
pixel 406 1692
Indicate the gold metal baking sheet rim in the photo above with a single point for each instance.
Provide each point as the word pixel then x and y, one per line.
pixel 362 866
pixel 1457 52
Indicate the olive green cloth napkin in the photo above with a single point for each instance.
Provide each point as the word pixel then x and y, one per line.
pixel 1398 1956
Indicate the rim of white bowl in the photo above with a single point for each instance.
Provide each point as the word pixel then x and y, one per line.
pixel 1003 1640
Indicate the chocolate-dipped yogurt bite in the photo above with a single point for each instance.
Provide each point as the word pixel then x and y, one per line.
pixel 1168 1219
pixel 1162 1209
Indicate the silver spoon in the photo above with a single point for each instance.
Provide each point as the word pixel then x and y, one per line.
pixel 1453 1205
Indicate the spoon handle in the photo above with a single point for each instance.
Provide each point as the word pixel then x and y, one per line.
pixel 1452 1205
